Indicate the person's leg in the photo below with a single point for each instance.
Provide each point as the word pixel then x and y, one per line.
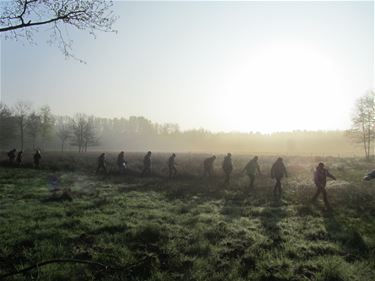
pixel 275 187
pixel 279 186
pixel 325 199
pixel 209 172
pixel 318 190
pixel 226 181
pixel 252 179
pixel 174 171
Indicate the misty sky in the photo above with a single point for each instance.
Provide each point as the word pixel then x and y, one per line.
pixel 222 66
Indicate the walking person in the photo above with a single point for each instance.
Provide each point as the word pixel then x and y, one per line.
pixel 227 167
pixel 252 169
pixel 12 155
pixel 19 158
pixel 101 164
pixel 146 165
pixel 121 162
pixel 171 166
pixel 37 156
pixel 278 171
pixel 208 166
pixel 320 179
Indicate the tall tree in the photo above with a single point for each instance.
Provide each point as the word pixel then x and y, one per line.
pixel 89 134
pixel 84 132
pixel 21 18
pixel 78 128
pixel 46 123
pixel 21 111
pixel 7 126
pixel 33 126
pixel 64 130
pixel 363 122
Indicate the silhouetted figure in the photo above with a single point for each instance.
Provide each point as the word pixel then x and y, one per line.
pixel 19 158
pixel 370 176
pixel 121 162
pixel 12 155
pixel 252 169
pixel 278 171
pixel 171 166
pixel 101 164
pixel 320 179
pixel 208 166
pixel 146 165
pixel 37 156
pixel 227 167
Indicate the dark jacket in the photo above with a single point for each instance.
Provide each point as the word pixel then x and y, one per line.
pixel 101 160
pixel 320 176
pixel 209 162
pixel 227 164
pixel 37 157
pixel 171 161
pixel 278 170
pixel 147 161
pixel 121 160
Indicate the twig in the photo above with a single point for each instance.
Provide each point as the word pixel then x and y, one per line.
pixel 103 266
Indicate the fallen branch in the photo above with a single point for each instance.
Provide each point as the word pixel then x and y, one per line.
pixel 101 265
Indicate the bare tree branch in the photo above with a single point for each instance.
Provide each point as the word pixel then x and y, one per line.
pixel 98 264
pixel 21 18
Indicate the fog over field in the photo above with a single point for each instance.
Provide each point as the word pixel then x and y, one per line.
pixel 191 141
pixel 137 134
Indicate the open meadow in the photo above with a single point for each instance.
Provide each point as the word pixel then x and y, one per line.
pixel 124 227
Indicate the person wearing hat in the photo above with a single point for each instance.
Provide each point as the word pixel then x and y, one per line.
pixel 320 179
pixel 278 171
pixel 227 167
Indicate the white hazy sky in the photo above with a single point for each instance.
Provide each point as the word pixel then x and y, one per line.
pixel 222 66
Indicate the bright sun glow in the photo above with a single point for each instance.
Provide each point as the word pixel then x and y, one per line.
pixel 278 89
pixel 234 66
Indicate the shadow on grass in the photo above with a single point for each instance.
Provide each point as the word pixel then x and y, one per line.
pixel 350 239
pixel 270 218
pixel 181 189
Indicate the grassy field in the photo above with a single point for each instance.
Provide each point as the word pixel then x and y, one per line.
pixel 187 228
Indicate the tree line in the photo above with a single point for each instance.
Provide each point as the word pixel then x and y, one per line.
pixel 24 127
